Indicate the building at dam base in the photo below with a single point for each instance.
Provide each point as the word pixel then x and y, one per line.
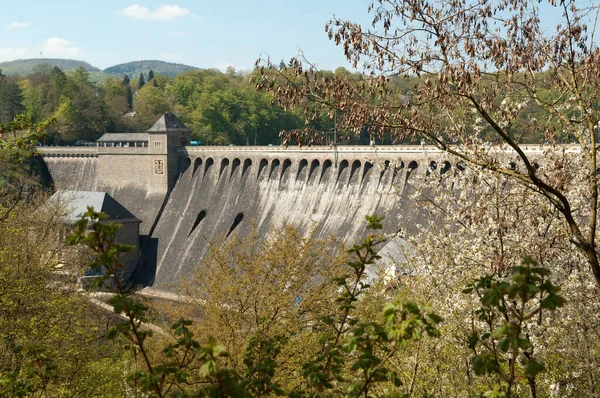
pixel 188 196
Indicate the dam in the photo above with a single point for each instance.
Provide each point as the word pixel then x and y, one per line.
pixel 189 196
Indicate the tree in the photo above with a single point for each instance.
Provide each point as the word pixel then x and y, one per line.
pixel 293 279
pixel 128 93
pixel 81 114
pixel 480 225
pixel 150 102
pixel 51 337
pixel 11 100
pixel 115 95
pixel 351 356
pixel 141 81
pixel 479 67
pixel 33 100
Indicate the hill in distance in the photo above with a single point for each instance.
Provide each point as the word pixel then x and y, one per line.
pixel 28 66
pixel 133 69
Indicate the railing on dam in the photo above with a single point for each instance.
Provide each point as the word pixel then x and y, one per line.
pixel 67 151
pixel 358 149
pixel 322 150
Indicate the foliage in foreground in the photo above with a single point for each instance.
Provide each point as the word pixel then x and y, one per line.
pixel 351 354
pixel 51 338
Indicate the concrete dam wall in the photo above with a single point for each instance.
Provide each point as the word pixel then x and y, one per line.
pixel 220 191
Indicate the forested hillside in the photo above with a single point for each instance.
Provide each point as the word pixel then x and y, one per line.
pixel 28 66
pixel 219 108
pixel 135 68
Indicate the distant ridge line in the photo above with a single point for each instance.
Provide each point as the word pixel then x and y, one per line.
pixel 133 68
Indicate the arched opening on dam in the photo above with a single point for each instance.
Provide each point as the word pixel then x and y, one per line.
pixel 326 166
pixel 366 170
pixel 274 164
pixel 187 162
pixel 224 164
pixel 343 166
pixel 198 220
pixel 197 163
pixel 235 164
pixel 286 165
pixel 247 164
pixel 353 176
pixel 445 167
pixel 398 168
pixel 412 166
pixel 313 166
pixel 209 163
pixel 384 168
pixel 261 166
pixel 236 221
pixel 432 167
pixel 301 167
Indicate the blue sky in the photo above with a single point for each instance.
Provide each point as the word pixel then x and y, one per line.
pixel 206 34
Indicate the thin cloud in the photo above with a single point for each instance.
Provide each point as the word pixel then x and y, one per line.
pixel 17 25
pixel 175 34
pixel 57 47
pixel 167 12
pixel 11 53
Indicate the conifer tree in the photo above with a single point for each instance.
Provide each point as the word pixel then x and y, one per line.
pixel 128 93
pixel 141 81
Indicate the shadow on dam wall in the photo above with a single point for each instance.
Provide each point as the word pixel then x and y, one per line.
pixel 216 197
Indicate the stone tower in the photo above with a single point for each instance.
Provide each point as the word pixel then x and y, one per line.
pixel 165 137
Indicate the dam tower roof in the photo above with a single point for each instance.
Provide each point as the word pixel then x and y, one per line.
pixel 168 122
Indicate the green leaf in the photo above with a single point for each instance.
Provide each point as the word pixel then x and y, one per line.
pixel 395 379
pixel 533 367
pixel 485 363
pixel 500 332
pixel 524 344
pixel 552 301
pixel 412 307
pixel 504 345
pixel 472 340
pixel 374 222
pixel 490 298
pixel 435 318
